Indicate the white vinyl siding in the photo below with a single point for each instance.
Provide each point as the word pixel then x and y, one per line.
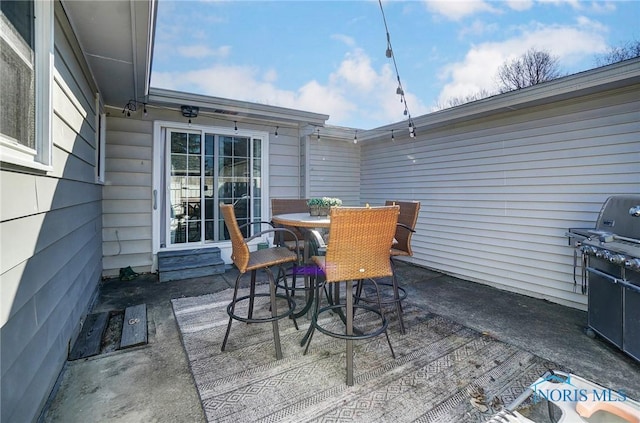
pixel 127 195
pixel 128 192
pixel 50 241
pixel 333 169
pixel 285 174
pixel 499 193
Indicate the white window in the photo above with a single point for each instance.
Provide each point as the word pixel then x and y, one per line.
pixel 26 46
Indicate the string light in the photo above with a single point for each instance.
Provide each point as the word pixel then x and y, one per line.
pixel 399 90
pixel 392 137
pixel 355 137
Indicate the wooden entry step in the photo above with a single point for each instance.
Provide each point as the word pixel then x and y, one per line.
pixel 194 263
pixel 134 326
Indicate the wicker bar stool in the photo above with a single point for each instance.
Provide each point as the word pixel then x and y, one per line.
pixel 358 249
pixel 401 248
pixel 289 205
pixel 253 261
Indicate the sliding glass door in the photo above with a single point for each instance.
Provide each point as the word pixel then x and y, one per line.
pixel 204 168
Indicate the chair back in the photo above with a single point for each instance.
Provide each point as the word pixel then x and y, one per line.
pixel 359 242
pixel 289 205
pixel 240 250
pixel 408 217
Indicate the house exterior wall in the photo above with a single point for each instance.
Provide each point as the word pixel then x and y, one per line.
pixel 128 190
pixel 333 169
pixel 50 237
pixel 499 193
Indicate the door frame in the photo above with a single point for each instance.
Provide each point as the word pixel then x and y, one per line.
pixel 158 167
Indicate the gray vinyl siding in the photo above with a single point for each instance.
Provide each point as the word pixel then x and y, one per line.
pixel 498 194
pixel 126 209
pixel 333 169
pixel 50 238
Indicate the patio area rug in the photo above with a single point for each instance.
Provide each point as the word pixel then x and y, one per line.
pixel 443 372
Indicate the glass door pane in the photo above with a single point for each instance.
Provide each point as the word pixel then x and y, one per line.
pixel 185 187
pixel 234 178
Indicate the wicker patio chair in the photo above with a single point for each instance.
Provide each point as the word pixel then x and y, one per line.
pixel 252 261
pixel 288 205
pixel 359 242
pixel 401 247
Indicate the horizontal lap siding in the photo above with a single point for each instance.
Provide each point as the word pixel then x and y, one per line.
pixel 334 170
pixel 50 239
pixel 499 194
pixel 127 195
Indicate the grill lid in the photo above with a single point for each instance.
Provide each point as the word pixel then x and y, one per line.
pixel 616 216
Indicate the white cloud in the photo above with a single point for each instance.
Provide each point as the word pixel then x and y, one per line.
pixel 477 28
pixel 355 92
pixel 478 69
pixel 458 9
pixel 520 5
pixel 345 39
pixel 199 51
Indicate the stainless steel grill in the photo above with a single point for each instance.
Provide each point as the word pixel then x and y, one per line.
pixel 610 263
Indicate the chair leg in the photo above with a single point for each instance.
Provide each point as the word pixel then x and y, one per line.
pixel 235 295
pixel 396 295
pixel 274 313
pixel 314 316
pixel 252 294
pixel 386 333
pixel 349 331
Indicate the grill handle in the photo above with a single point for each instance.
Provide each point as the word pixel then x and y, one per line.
pixel 613 279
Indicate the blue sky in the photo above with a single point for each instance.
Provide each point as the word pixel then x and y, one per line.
pixel 329 56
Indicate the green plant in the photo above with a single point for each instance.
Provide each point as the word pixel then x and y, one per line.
pixel 324 202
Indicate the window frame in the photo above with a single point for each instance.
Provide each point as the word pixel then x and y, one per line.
pixel 15 153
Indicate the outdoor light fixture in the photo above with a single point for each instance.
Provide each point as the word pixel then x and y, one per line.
pixel 276 133
pixel 190 112
pixel 318 136
pixel 355 137
pixel 129 107
pixel 235 126
pixel 392 137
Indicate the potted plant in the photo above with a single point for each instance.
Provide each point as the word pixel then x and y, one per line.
pixel 321 206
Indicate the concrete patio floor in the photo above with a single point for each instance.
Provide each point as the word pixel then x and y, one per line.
pixel 152 383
